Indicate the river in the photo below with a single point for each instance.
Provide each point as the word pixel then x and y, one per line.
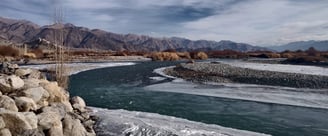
pixel 138 88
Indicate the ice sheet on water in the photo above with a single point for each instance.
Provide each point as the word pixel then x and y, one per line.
pixel 160 71
pixel 316 98
pixel 80 67
pixel 312 70
pixel 269 94
pixel 157 78
pixel 122 123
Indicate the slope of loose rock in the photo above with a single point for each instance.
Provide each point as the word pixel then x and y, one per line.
pixel 32 105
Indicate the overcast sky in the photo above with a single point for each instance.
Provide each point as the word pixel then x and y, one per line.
pixel 258 22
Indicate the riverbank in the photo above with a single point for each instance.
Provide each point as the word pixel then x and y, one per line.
pixel 74 68
pixel 108 59
pixel 225 73
pixel 32 105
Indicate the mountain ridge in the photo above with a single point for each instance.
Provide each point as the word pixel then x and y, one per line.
pixel 302 45
pixel 22 31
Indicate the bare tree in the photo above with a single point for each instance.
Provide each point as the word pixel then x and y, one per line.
pixel 61 70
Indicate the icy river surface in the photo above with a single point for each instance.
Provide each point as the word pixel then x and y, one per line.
pixel 137 99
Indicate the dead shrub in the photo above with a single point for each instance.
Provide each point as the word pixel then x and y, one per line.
pixel 38 53
pixel 9 51
pixel 198 55
pixel 161 56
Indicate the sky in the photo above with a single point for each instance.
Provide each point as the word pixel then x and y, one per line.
pixel 257 22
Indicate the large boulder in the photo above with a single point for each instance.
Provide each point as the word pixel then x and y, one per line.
pixel 2 123
pixel 8 68
pixel 73 127
pixel 33 132
pixel 47 120
pixel 31 118
pixel 23 72
pixel 31 83
pixel 38 94
pixel 5 132
pixel 58 108
pixel 17 122
pixel 7 103
pixel 57 94
pixel 56 130
pixel 37 75
pixel 78 103
pixel 25 104
pixel 10 83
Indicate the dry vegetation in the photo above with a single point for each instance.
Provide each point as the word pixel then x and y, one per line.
pixel 173 56
pixel 310 56
pixel 9 51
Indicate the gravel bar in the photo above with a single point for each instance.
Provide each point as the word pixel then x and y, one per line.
pixel 224 73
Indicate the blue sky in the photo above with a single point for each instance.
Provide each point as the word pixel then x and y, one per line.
pixel 258 22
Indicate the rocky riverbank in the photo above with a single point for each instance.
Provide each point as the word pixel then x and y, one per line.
pixel 32 105
pixel 224 73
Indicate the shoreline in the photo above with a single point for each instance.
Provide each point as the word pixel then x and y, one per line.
pixel 75 68
pixel 225 73
pixel 107 60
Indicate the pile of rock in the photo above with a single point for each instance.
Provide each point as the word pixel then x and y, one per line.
pixel 32 105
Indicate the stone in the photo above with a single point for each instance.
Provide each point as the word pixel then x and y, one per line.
pixel 23 72
pixel 16 122
pixel 31 83
pixel 73 127
pixel 47 120
pixel 8 68
pixel 32 119
pixel 88 124
pixel 33 132
pixel 56 130
pixel 5 87
pixel 78 103
pixel 37 94
pixel 25 104
pixel 10 83
pixel 68 106
pixel 36 74
pixel 5 132
pixel 15 82
pixel 57 94
pixel 7 103
pixel 59 108
pixel 2 123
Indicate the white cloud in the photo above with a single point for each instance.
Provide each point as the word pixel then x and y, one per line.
pixel 259 22
pixel 264 22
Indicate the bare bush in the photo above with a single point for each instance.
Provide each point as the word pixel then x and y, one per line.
pixel 9 51
pixel 38 53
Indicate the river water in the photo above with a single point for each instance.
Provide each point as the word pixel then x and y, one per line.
pixel 138 88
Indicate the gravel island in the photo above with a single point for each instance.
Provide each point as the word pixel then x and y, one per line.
pixel 224 73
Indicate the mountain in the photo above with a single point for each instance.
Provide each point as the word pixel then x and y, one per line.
pixel 302 45
pixel 22 31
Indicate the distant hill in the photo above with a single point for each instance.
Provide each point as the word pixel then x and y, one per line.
pixel 302 45
pixel 22 31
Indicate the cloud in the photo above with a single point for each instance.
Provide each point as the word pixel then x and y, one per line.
pixel 259 22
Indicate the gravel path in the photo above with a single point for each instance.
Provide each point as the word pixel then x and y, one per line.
pixel 218 72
